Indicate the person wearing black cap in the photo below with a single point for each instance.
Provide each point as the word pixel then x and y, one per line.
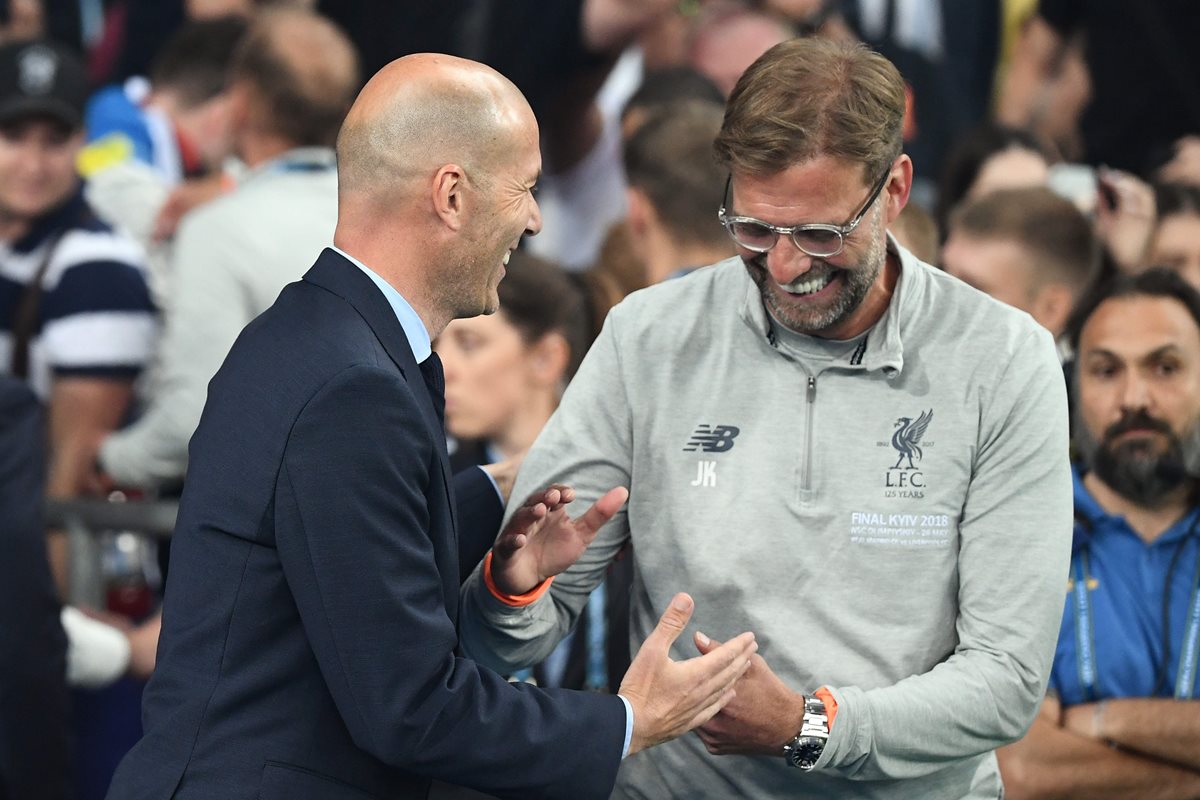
pixel 76 319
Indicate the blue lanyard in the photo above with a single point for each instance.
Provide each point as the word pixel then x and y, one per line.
pixel 1085 635
pixel 301 166
pixel 1185 680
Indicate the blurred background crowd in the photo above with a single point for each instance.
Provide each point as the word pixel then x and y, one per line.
pixel 166 168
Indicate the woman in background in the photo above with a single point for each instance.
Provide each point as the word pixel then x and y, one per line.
pixel 505 372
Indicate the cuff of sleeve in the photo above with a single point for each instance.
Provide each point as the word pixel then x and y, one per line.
pixel 628 727
pixel 851 740
pixel 514 600
pixel 492 481
pixel 831 707
pixel 97 654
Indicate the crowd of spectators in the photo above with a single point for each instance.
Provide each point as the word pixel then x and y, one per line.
pixel 166 167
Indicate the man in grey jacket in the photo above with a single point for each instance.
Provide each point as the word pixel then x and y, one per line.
pixel 831 443
pixel 233 256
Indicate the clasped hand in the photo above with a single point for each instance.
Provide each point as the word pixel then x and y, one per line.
pixel 763 717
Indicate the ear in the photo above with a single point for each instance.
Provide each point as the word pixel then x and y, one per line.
pixel 239 104
pixel 218 110
pixel 1052 306
pixel 640 213
pixel 898 187
pixel 549 357
pixel 449 195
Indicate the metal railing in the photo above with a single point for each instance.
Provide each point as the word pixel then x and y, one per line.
pixel 83 518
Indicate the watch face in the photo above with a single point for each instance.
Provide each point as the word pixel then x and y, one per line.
pixel 807 751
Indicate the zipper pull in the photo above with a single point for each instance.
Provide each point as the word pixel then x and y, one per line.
pixel 812 388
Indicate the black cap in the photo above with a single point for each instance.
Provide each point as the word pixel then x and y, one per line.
pixel 42 79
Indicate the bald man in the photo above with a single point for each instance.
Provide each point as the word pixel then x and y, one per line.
pixel 309 645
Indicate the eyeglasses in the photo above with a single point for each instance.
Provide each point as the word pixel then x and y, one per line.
pixel 818 240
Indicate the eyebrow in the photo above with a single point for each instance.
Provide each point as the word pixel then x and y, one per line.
pixel 1158 352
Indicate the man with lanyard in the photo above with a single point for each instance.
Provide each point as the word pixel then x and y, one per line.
pixel 233 255
pixel 1119 720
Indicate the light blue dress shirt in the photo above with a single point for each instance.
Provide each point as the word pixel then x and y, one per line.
pixel 422 346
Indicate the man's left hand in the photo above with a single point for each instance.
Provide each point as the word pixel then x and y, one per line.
pixel 541 541
pixel 763 717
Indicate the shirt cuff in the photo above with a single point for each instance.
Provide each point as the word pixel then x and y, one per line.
pixel 628 727
pixel 495 485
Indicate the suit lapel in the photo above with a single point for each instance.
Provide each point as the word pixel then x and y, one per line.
pixel 338 275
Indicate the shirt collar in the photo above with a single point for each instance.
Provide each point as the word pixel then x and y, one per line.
pixel 1091 518
pixel 298 159
pixel 414 328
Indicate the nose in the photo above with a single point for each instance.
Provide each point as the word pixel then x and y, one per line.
pixel 33 156
pixel 534 224
pixel 786 262
pixel 1135 393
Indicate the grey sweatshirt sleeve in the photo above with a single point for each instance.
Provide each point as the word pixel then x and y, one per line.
pixel 1013 561
pixel 587 443
pixel 206 313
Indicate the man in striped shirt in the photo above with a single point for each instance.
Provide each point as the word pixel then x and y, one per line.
pixel 76 319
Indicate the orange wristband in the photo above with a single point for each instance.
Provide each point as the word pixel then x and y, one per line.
pixel 823 694
pixel 514 600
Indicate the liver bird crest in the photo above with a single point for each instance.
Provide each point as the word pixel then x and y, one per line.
pixel 907 438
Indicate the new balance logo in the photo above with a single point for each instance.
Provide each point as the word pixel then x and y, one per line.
pixel 711 439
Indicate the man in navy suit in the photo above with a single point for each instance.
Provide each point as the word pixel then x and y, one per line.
pixel 309 629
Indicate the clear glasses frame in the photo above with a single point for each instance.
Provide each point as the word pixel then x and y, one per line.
pixel 819 240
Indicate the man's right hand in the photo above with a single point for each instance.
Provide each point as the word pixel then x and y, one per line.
pixel 670 698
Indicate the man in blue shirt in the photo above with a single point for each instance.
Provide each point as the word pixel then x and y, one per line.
pixel 1120 720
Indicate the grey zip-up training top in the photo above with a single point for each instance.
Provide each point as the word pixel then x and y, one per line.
pixel 894 523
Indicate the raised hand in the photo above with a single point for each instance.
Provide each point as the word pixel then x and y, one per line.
pixel 670 698
pixel 1125 216
pixel 541 540
pixel 764 717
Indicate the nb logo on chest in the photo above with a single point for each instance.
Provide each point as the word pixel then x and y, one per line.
pixel 712 439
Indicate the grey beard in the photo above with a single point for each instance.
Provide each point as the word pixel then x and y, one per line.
pixel 856 283
pixel 1140 476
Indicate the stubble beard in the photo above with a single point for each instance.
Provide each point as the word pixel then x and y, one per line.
pixel 855 281
pixel 471 285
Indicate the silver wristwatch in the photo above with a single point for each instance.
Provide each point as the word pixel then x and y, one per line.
pixel 803 751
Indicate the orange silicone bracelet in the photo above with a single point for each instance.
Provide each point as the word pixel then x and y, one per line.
pixel 514 600
pixel 826 697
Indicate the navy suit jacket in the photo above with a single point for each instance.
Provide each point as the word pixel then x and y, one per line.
pixel 309 633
